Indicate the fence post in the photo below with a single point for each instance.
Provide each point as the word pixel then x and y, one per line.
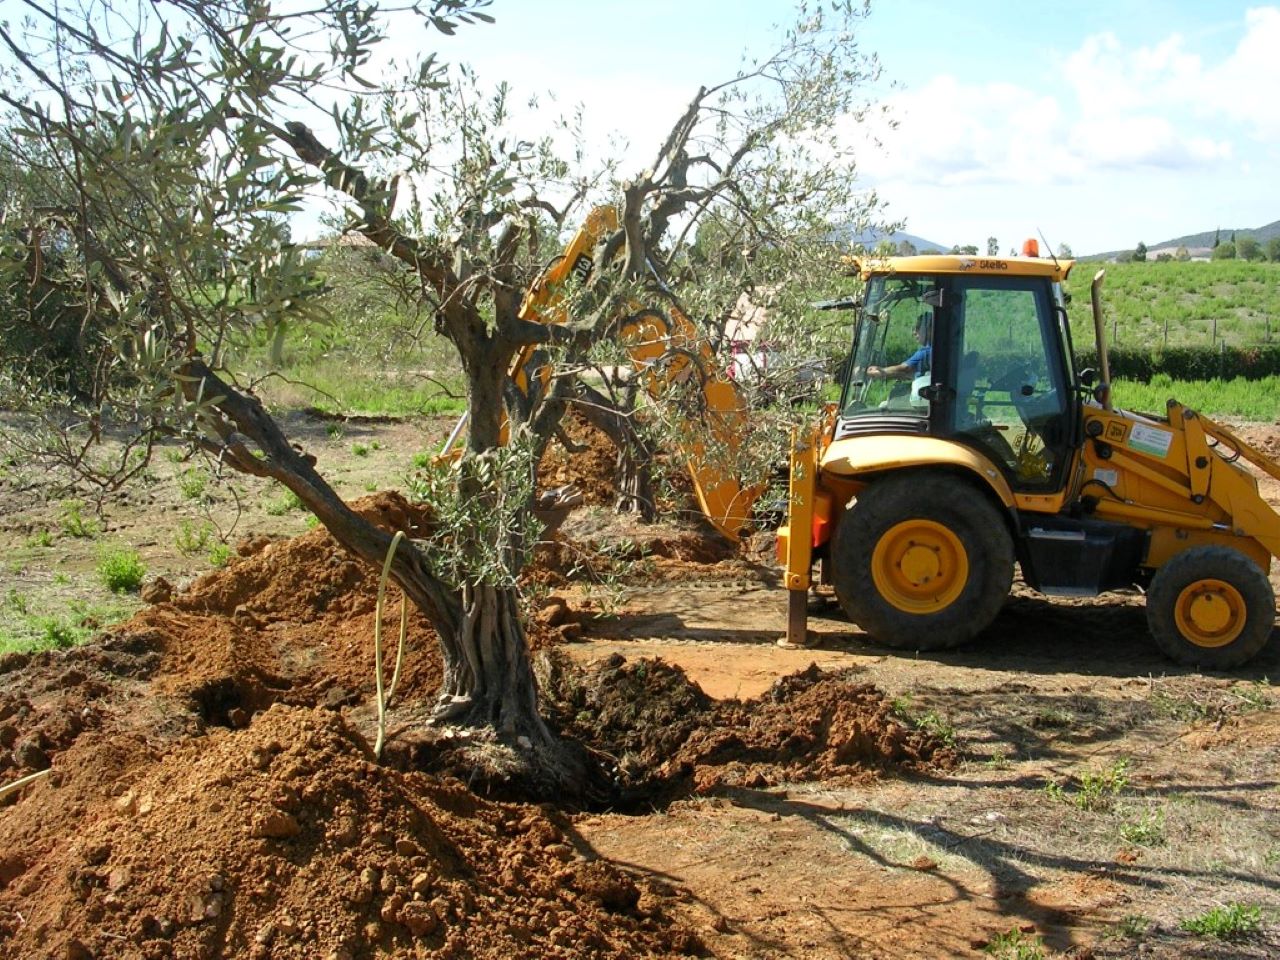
pixel 1214 341
pixel 1166 332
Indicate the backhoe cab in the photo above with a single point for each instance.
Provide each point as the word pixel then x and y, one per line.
pixel 965 439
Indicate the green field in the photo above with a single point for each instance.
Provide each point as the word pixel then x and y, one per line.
pixel 1179 304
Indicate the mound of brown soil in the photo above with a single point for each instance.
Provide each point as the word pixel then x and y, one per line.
pixel 664 737
pixel 811 725
pixel 291 622
pixel 284 840
pixel 592 471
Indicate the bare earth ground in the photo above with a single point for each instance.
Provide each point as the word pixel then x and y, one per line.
pixel 933 863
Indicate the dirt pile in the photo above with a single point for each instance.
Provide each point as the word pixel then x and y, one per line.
pixel 664 737
pixel 285 840
pixel 592 470
pixel 48 700
pixel 288 621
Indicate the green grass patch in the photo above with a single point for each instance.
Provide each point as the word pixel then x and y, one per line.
pixel 287 501
pixel 328 385
pixel 28 632
pixel 1235 921
pixel 220 555
pixel 1246 399
pixel 1145 831
pixel 1158 304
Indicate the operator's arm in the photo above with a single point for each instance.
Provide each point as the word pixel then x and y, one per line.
pixel 899 371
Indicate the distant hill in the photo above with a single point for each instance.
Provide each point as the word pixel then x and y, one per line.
pixel 1202 242
pixel 869 239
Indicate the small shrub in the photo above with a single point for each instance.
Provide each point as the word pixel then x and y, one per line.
pixel 122 571
pixel 74 523
pixel 16 602
pixel 41 539
pixel 219 555
pixel 1097 789
pixel 57 634
pixel 998 761
pixel 421 461
pixel 192 483
pixel 1015 945
pixel 1235 921
pixel 360 449
pixel 929 721
pixel 191 539
pixel 334 430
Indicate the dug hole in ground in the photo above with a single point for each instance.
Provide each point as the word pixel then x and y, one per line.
pixel 1055 788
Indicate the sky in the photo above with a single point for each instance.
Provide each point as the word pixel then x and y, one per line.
pixel 1097 124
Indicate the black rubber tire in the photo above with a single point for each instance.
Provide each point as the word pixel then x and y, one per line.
pixel 962 509
pixel 1215 563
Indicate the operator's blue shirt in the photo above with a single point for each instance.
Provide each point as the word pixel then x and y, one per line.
pixel 920 358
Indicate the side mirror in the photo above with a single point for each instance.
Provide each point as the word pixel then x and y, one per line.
pixel 1088 377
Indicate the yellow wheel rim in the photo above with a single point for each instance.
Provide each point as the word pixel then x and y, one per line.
pixel 1210 613
pixel 919 566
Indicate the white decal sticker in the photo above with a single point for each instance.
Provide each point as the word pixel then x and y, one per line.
pixel 1150 440
pixel 1109 477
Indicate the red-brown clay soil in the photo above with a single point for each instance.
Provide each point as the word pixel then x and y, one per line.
pixel 213 792
pixel 286 840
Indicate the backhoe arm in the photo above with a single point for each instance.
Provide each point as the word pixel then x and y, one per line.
pixel 665 349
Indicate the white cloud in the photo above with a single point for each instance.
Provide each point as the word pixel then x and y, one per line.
pixel 1243 87
pixel 1157 107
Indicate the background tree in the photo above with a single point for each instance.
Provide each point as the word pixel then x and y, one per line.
pixel 1140 252
pixel 181 139
pixel 1273 249
pixel 1247 248
pixel 1064 251
pixel 1224 251
pixel 993 247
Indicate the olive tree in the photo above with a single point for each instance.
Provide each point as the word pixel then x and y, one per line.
pixel 171 143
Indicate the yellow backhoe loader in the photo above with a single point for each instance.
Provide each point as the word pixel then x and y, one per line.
pixel 943 463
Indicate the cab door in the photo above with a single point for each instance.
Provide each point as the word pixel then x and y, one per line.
pixel 1007 378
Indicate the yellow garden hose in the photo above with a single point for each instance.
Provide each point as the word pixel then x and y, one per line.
pixel 18 784
pixel 384 699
